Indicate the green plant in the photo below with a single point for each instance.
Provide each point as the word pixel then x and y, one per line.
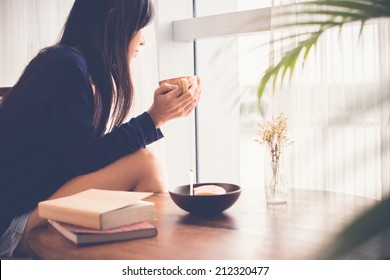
pixel 369 224
pixel 319 16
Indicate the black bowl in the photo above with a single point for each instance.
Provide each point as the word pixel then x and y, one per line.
pixel 205 205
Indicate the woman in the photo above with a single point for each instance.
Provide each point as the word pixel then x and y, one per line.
pixel 53 126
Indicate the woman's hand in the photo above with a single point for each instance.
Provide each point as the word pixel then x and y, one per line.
pixel 170 103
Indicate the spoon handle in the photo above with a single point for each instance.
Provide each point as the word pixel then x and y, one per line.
pixel 191 174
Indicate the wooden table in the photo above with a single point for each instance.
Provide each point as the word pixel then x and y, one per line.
pixel 250 229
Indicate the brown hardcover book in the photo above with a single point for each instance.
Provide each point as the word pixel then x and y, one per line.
pixel 99 209
pixel 81 235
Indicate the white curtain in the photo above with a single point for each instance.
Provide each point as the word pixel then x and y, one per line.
pixel 338 111
pixel 26 26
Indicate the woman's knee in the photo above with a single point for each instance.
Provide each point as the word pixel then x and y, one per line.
pixel 150 158
pixel 151 175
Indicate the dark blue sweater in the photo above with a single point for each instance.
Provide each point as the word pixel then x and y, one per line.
pixel 47 136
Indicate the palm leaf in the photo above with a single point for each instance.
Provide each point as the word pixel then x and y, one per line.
pixel 375 6
pixel 288 62
pixel 332 13
pixel 366 226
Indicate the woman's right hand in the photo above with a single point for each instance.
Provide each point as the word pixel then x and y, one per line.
pixel 170 103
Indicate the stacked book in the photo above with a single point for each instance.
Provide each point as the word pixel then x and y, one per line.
pixel 96 216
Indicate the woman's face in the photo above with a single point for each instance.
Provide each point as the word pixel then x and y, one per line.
pixel 135 43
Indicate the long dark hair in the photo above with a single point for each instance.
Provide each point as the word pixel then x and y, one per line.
pixel 102 31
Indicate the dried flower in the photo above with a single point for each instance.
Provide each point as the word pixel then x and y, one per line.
pixel 274 135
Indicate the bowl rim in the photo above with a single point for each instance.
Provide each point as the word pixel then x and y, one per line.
pixel 202 184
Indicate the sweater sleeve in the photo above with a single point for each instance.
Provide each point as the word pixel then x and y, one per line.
pixel 72 117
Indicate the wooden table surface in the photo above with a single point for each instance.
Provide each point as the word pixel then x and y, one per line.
pixel 250 229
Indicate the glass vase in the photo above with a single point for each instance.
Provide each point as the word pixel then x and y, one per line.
pixel 275 180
